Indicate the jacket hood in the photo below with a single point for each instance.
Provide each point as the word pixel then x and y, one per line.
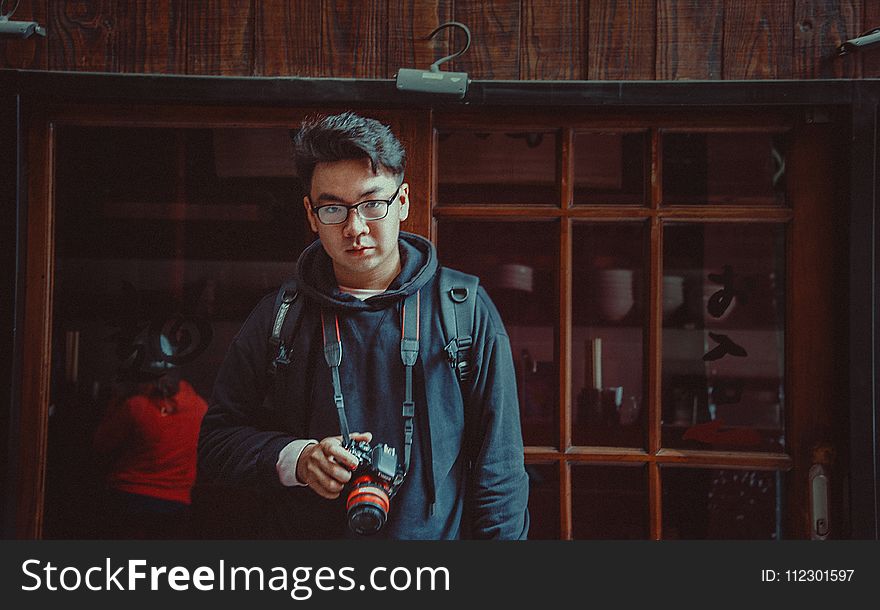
pixel 317 281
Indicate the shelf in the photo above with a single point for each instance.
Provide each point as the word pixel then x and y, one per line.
pixel 185 212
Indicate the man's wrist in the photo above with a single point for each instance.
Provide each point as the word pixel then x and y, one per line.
pixel 288 459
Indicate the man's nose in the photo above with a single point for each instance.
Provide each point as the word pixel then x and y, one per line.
pixel 354 224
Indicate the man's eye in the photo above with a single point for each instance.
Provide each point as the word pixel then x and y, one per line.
pixel 372 205
pixel 332 209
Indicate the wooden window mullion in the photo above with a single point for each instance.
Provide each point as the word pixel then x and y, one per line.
pixel 654 346
pixel 565 527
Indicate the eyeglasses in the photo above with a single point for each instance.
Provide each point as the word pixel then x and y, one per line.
pixel 337 213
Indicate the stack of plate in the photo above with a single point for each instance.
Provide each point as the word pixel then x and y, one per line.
pixel 614 293
pixel 673 294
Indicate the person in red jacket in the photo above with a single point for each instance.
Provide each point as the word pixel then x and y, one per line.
pixel 149 442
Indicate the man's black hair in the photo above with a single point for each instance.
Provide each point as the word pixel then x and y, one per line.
pixel 346 136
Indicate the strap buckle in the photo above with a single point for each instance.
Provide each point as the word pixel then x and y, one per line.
pixel 459 295
pixel 282 358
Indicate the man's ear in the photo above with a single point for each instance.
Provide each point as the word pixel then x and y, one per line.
pixel 310 215
pixel 403 197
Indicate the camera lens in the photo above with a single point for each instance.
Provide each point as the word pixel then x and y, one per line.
pixel 366 520
pixel 367 507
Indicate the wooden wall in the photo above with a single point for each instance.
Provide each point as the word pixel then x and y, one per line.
pixel 512 39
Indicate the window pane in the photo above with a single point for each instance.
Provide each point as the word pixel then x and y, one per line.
pixel 543 501
pixel 607 334
pixel 161 252
pixel 609 168
pixel 712 504
pixel 500 167
pixel 724 168
pixel 609 503
pixel 724 336
pixel 520 274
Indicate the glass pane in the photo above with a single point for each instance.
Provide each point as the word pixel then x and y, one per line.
pixel 712 504
pixel 609 168
pixel 520 273
pixel 607 334
pixel 609 503
pixel 497 167
pixel 724 168
pixel 543 501
pixel 161 252
pixel 724 336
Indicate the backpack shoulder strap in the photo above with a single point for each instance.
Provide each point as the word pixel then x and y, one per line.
pixel 458 305
pixel 285 301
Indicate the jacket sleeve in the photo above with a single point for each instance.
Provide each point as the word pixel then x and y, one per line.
pixel 500 485
pixel 239 440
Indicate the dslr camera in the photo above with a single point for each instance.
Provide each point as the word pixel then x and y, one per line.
pixel 374 482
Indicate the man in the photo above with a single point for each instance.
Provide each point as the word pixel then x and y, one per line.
pixel 353 283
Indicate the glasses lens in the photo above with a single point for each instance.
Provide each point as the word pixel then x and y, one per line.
pixel 332 214
pixel 373 210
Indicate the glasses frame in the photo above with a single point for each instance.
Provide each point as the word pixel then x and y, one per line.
pixel 356 207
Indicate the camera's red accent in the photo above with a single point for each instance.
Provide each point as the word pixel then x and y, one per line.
pixel 367 490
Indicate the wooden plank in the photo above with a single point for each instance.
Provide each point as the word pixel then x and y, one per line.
pixel 33 424
pixel 413 128
pixel 757 39
pixel 820 26
pixel 30 54
pixel 151 36
pixel 622 37
pixel 689 39
pixel 220 37
pixel 353 40
pixel 654 345
pixel 495 47
pixel 10 122
pixel 871 20
pixel 815 322
pixel 655 502
pixel 288 38
pixel 565 526
pixel 552 42
pixel 81 36
pixel 409 23
pixel 564 330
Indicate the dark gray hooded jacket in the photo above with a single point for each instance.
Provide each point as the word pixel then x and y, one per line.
pixel 252 417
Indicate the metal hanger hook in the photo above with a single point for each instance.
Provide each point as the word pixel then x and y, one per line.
pixel 3 6
pixel 435 67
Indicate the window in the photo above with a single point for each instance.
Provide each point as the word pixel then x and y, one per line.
pixel 643 274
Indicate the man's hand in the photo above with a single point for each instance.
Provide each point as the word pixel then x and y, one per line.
pixel 326 467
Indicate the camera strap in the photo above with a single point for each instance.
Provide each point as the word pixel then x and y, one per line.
pixel 333 356
pixel 409 352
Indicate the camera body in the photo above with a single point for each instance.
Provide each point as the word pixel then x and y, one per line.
pixel 374 482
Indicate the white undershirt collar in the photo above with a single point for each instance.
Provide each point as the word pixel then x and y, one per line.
pixel 361 293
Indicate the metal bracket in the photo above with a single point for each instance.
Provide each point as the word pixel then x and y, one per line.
pixel 820 524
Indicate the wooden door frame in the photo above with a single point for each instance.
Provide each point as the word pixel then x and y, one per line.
pixel 42 99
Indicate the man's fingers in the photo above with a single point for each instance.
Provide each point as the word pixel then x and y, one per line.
pixel 324 483
pixel 335 471
pixel 342 457
pixel 329 465
pixel 325 486
pixel 332 460
pixel 333 448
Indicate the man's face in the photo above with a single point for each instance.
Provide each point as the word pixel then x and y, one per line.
pixel 364 253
